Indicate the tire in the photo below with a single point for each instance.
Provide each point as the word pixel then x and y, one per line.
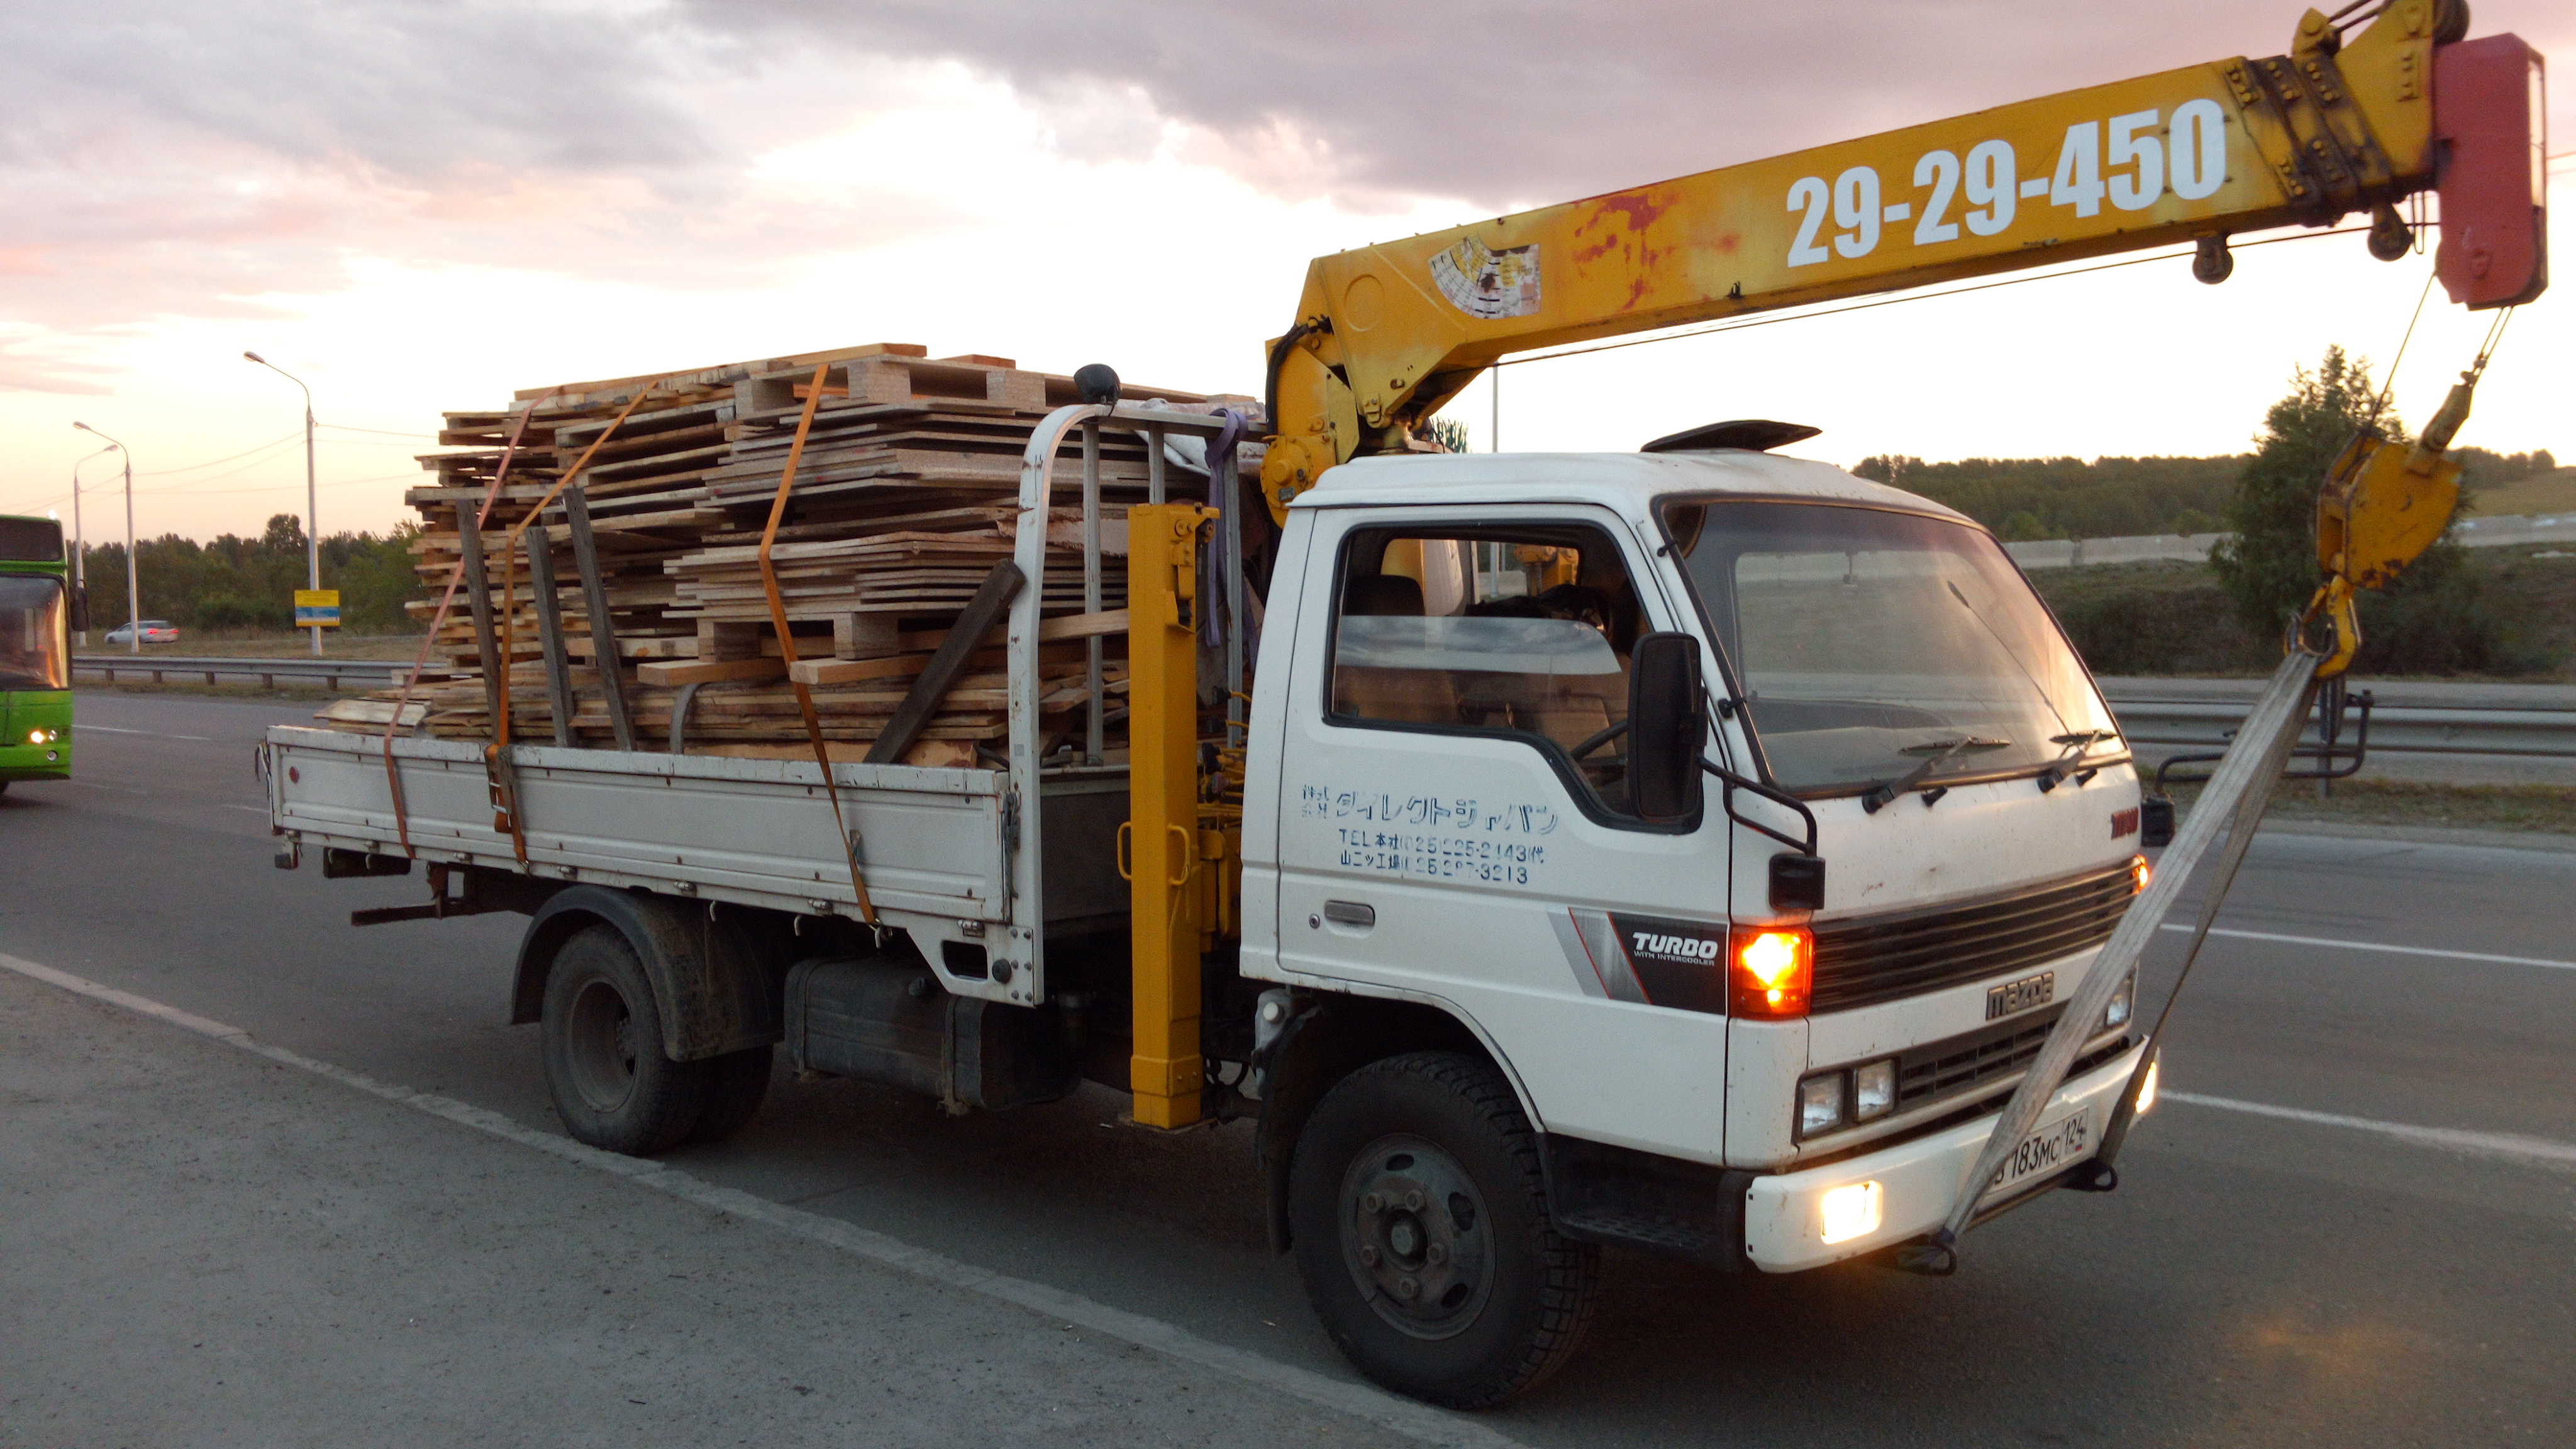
pixel 1421 1229
pixel 736 1083
pixel 605 1070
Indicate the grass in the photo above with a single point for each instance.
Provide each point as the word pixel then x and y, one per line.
pixel 2533 809
pixel 2553 492
pixel 2170 618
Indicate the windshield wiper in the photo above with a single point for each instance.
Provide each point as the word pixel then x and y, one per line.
pixel 2077 745
pixel 1887 791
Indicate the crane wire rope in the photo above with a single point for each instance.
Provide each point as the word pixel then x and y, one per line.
pixel 2388 384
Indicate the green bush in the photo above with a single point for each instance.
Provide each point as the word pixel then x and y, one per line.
pixel 2269 568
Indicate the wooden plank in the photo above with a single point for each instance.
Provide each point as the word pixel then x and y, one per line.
pixel 947 662
pixel 895 666
pixel 469 536
pixel 541 574
pixel 673 672
pixel 1083 626
pixel 603 632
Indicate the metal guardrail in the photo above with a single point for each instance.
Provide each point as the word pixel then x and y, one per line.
pixel 375 672
pixel 2411 728
pixel 2190 714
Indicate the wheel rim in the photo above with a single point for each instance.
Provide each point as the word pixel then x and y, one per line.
pixel 1416 1236
pixel 601 1036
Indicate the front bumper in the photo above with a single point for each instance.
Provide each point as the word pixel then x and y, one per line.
pixel 36 762
pixel 1919 1180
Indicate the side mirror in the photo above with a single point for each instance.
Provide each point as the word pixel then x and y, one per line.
pixel 1667 728
pixel 80 609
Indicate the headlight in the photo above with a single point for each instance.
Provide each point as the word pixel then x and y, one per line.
pixel 1820 1103
pixel 1874 1090
pixel 2117 1013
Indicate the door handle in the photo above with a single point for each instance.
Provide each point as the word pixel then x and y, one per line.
pixel 1350 913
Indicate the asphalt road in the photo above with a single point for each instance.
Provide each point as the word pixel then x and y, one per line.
pixel 2283 1263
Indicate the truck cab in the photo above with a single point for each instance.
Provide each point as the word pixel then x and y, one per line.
pixel 1438 814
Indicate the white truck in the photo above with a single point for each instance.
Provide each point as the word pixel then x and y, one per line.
pixel 1450 910
pixel 1507 986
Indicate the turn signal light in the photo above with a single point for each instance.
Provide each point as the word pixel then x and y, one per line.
pixel 1771 971
pixel 2141 872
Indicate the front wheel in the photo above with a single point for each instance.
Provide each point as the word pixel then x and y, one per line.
pixel 605 1070
pixel 1422 1233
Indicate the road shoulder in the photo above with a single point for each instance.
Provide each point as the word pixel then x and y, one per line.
pixel 208 1247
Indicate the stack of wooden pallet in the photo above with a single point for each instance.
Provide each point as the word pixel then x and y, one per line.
pixel 905 497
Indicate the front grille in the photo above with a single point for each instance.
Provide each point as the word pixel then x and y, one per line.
pixel 2001 1052
pixel 1888 958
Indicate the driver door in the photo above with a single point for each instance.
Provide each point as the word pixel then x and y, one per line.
pixel 1454 823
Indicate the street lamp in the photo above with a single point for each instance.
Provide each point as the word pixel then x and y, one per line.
pixel 80 550
pixel 133 587
pixel 312 505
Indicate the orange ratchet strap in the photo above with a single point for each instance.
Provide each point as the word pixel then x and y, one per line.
pixel 787 641
pixel 497 752
pixel 446 601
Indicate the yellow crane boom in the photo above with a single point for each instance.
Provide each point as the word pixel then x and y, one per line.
pixel 1387 334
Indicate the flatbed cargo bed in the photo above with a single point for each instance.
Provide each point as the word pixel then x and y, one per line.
pixel 935 846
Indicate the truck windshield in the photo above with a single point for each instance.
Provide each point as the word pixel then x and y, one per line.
pixel 31 634
pixel 1869 642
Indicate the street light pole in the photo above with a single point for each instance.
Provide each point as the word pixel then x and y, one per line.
pixel 80 550
pixel 312 493
pixel 133 579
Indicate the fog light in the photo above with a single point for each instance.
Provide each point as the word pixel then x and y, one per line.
pixel 1874 1090
pixel 2117 1013
pixel 1851 1211
pixel 2147 1089
pixel 1820 1103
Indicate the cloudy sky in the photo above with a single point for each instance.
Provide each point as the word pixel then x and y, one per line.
pixel 416 206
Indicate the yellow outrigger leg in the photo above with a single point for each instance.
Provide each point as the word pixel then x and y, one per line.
pixel 1162 837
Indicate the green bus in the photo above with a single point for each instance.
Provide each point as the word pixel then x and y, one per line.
pixel 39 609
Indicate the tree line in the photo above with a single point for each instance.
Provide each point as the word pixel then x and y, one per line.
pixel 249 583
pixel 2438 617
pixel 2034 498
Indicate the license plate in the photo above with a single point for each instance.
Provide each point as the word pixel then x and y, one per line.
pixel 2052 1148
pixel 2018 996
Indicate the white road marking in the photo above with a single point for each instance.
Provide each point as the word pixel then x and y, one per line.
pixel 2376 946
pixel 1403 1416
pixel 98 729
pixel 2539 1151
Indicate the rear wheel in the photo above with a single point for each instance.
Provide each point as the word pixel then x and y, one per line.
pixel 736 1082
pixel 603 1051
pixel 1422 1233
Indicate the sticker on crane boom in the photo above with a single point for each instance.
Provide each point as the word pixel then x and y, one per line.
pixel 1488 284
